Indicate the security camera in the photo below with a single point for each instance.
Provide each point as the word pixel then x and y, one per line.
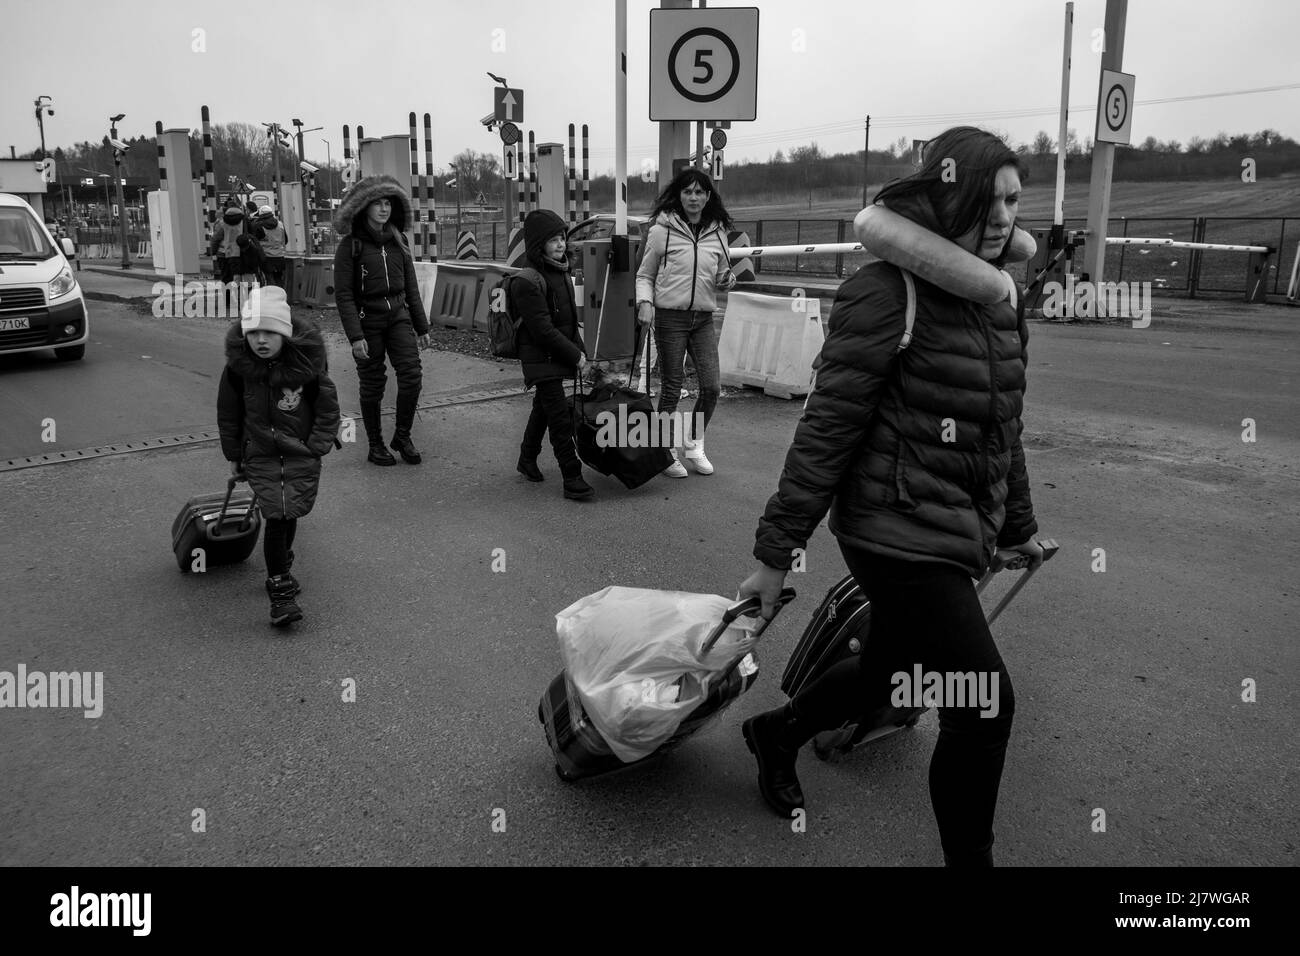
pixel 489 121
pixel 307 167
pixel 116 144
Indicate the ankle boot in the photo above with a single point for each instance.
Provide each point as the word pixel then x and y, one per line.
pixel 284 610
pixel 527 466
pixel 768 737
pixel 378 454
pixel 401 442
pixel 575 488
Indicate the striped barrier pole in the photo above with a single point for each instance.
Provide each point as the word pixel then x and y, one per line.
pixel 311 202
pixel 417 191
pixel 430 201
pixel 209 181
pixel 573 180
pixel 1175 244
pixel 532 172
pixel 162 157
pixel 586 177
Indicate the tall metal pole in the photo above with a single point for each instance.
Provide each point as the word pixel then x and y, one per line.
pixel 121 198
pixel 620 117
pixel 866 147
pixel 1103 154
pixel 329 180
pixel 1058 228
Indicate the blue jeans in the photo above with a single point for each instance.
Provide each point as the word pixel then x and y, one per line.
pixel 679 333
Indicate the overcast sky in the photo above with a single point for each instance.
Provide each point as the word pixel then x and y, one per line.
pixel 917 66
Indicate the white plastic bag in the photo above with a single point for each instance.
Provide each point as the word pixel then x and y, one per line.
pixel 633 656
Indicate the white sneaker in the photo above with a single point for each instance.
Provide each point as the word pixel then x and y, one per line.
pixel 676 469
pixel 694 453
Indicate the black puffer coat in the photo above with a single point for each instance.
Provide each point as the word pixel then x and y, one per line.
pixel 279 418
pixel 921 453
pixel 389 290
pixel 549 344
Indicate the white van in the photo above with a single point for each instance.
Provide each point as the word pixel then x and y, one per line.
pixel 41 305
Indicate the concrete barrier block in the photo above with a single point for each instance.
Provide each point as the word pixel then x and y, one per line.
pixel 770 343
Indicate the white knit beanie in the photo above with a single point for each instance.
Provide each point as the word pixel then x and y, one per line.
pixel 267 310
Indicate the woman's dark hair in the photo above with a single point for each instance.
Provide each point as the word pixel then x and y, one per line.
pixel 670 200
pixel 975 156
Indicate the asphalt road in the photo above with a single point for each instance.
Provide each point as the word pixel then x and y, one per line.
pixel 1128 682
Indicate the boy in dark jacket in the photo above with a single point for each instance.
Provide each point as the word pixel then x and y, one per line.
pixel 549 349
pixel 380 309
pixel 278 413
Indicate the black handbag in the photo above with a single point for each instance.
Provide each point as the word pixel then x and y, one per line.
pixel 633 466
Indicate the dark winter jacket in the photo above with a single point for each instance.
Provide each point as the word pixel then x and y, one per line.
pixel 549 344
pixel 920 453
pixel 226 231
pixel 278 418
pixel 389 290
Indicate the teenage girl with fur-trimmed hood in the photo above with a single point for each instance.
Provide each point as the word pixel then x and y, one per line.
pixel 379 305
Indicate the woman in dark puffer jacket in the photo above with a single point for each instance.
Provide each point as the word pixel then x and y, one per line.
pixel 380 309
pixel 917 456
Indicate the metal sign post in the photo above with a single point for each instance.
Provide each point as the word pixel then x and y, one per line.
pixel 1103 152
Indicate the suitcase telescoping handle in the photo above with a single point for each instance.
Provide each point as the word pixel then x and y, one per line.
pixel 751 605
pixel 1013 561
pixel 215 532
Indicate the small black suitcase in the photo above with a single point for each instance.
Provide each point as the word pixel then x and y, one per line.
pixel 578 747
pixel 224 525
pixel 840 629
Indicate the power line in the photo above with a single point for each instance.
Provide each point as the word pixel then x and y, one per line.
pixel 911 120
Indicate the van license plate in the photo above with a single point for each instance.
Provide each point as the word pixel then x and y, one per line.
pixel 13 325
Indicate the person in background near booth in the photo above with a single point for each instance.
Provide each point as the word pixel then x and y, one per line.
pixel 226 253
pixel 550 349
pixel 379 306
pixel 919 505
pixel 273 237
pixel 278 414
pixel 684 264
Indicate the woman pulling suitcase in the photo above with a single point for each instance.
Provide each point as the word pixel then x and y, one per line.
pixel 917 456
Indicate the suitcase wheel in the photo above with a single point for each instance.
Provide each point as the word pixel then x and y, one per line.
pixel 830 754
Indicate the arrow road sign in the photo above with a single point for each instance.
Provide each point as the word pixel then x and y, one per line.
pixel 508 105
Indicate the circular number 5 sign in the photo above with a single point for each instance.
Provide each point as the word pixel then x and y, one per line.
pixel 703 65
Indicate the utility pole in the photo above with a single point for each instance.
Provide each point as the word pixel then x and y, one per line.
pixel 866 147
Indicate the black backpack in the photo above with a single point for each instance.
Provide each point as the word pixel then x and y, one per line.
pixel 503 323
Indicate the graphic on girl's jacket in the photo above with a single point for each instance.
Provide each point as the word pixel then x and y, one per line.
pixel 290 399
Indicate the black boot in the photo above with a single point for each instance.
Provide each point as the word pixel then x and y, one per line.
pixel 527 467
pixel 294 587
pixel 284 610
pixel 378 455
pixel 401 442
pixel 975 860
pixel 575 488
pixel 769 738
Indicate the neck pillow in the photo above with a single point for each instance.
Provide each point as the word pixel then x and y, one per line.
pixel 904 243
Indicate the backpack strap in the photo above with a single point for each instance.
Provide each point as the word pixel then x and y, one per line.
pixel 909 316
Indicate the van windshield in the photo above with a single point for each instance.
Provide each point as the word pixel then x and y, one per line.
pixel 21 236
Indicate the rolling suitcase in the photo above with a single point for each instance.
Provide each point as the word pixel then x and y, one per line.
pixel 840 629
pixel 578 747
pixel 224 525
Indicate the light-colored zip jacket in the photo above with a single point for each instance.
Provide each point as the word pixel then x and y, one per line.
pixel 679 271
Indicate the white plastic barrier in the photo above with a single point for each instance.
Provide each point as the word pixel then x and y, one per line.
pixel 426 275
pixel 770 342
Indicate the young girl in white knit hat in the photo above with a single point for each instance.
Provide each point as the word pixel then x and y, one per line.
pixel 278 413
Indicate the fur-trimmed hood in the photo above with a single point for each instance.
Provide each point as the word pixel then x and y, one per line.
pixel 301 359
pixel 363 194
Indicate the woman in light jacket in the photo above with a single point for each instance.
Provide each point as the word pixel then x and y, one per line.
pixel 684 265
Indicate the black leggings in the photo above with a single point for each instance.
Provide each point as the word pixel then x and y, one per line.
pixel 277 539
pixel 927 614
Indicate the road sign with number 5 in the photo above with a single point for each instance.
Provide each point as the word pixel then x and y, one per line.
pixel 1115 108
pixel 704 64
